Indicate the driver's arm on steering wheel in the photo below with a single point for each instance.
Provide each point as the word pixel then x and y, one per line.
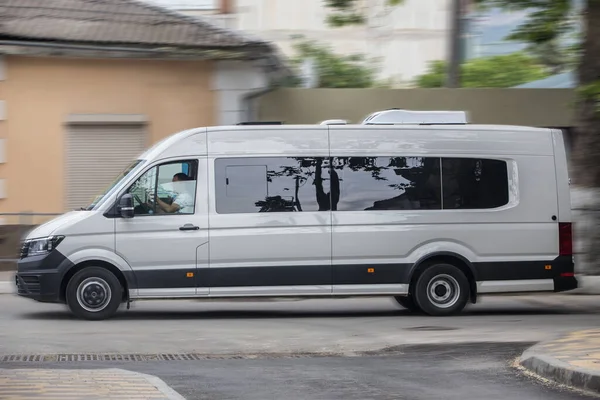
pixel 168 208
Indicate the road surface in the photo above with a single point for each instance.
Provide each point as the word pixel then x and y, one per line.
pixel 313 349
pixel 430 372
pixel 338 327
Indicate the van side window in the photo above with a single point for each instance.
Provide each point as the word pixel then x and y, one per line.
pixel 165 189
pixel 472 183
pixel 389 183
pixel 274 184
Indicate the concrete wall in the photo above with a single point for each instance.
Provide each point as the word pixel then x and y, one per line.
pixel 232 81
pixel 40 93
pixel 532 107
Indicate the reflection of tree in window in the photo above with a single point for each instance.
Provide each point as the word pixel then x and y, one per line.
pixel 292 179
pixel 390 183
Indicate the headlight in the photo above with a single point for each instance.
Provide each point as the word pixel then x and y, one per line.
pixel 38 247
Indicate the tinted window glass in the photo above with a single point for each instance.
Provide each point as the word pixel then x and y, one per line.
pixel 388 183
pixel 274 184
pixel 471 183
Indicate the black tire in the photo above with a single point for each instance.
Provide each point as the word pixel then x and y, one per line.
pixel 407 302
pixel 94 293
pixel 441 290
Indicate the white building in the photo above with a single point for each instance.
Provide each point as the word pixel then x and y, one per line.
pixel 401 40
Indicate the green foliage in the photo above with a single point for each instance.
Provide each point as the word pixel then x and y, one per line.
pixel 490 72
pixel 549 22
pixel 591 92
pixel 346 12
pixel 334 71
pixel 434 77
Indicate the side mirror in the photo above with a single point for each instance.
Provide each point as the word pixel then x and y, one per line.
pixel 126 206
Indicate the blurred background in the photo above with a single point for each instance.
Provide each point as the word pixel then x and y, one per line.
pixel 87 85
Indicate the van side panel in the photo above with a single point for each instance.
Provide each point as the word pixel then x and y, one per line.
pixel 514 242
pixel 254 251
pixel 562 177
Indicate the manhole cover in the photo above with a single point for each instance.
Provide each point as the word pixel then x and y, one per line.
pixel 431 328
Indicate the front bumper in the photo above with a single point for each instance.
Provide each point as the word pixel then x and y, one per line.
pixel 41 287
pixel 40 277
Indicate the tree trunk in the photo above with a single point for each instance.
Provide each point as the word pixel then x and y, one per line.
pixel 586 152
pixel 454 55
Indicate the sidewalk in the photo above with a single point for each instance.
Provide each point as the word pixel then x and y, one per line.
pixel 573 360
pixel 7 282
pixel 99 384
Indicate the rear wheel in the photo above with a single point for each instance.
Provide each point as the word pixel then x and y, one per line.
pixel 407 302
pixel 94 293
pixel 442 289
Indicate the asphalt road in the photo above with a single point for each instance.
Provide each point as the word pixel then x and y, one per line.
pixel 336 327
pixel 430 372
pixel 362 348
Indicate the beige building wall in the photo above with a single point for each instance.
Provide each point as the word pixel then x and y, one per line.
pixel 41 93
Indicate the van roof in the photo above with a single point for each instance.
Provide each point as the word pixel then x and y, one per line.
pixel 453 127
pixel 272 140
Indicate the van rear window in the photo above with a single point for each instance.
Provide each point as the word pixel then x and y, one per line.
pixel 301 184
pixel 472 183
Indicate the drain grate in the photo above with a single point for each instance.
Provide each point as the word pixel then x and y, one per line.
pixel 68 358
pixel 431 328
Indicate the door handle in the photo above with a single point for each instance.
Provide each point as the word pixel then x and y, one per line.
pixel 189 227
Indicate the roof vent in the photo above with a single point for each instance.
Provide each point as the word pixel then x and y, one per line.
pixel 334 122
pixel 410 117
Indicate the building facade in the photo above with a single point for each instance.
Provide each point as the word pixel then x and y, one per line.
pixel 401 40
pixel 77 106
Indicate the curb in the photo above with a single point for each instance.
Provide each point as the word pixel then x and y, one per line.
pixel 158 383
pixel 558 371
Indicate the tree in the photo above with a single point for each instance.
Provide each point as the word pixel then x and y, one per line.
pixel 490 72
pixel 333 70
pixel 554 55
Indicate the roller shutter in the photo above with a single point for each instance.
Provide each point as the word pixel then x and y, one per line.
pixel 96 155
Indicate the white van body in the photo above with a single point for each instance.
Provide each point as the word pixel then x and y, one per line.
pixel 354 241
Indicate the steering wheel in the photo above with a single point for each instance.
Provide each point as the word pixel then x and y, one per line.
pixel 144 206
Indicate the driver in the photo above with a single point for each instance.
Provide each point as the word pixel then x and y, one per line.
pixel 182 203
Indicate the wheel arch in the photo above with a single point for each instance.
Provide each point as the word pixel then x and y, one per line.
pixel 447 257
pixel 125 283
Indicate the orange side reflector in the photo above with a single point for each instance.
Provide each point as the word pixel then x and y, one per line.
pixel 548 267
pixel 190 274
pixel 371 270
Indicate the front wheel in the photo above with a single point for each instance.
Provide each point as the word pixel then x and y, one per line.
pixel 94 293
pixel 442 289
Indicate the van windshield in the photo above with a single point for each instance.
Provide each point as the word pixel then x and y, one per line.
pixel 119 178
